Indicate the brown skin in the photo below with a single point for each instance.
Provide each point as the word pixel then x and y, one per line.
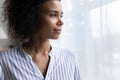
pixel 49 28
pixel 2 49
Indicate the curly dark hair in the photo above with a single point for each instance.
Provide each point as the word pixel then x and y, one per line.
pixel 22 18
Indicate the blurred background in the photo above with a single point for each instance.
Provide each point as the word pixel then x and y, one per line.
pixel 91 30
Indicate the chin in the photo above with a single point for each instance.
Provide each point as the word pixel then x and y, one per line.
pixel 55 38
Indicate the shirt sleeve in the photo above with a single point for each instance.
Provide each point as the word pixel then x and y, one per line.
pixel 1 73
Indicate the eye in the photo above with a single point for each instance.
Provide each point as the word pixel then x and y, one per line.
pixel 61 16
pixel 53 15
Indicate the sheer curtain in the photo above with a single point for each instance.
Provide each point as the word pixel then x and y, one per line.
pixel 92 30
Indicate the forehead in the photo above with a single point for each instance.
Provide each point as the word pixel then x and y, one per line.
pixel 52 5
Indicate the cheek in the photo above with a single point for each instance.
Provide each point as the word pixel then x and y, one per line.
pixel 51 22
pixel 47 24
pixel 47 20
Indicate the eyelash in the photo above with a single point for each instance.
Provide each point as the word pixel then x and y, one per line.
pixel 61 16
pixel 55 15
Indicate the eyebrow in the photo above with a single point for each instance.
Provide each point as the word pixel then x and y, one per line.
pixel 55 11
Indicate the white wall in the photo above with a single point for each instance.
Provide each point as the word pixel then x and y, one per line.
pixel 2 33
pixel 3 37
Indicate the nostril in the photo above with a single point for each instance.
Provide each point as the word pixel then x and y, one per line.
pixel 60 23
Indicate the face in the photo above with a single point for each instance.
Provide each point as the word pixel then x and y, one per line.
pixel 50 25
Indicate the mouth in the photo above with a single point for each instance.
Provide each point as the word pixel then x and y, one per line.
pixel 58 31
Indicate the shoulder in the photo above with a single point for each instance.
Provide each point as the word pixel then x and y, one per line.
pixel 8 54
pixel 65 53
pixel 8 51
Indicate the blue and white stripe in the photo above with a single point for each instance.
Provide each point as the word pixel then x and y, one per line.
pixel 15 64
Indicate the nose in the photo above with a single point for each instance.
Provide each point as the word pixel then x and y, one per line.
pixel 60 22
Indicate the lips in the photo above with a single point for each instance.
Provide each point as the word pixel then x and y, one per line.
pixel 57 31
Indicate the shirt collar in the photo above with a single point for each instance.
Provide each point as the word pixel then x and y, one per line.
pixel 28 57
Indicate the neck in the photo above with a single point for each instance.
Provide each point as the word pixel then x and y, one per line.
pixel 35 47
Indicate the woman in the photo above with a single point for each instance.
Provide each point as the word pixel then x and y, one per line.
pixel 31 23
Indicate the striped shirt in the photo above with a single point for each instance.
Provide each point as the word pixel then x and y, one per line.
pixel 15 64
